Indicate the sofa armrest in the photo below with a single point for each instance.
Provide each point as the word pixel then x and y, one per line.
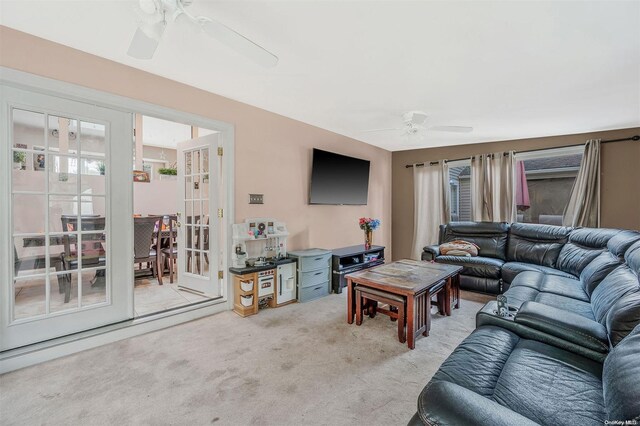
pixel 446 403
pixel 430 252
pixel 564 324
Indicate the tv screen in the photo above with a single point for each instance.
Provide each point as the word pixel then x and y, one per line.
pixel 338 179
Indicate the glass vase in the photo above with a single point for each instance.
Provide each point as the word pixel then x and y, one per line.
pixel 368 239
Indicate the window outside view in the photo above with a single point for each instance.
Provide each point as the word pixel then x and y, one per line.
pixel 542 199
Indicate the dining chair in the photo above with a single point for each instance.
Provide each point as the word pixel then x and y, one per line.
pixel 170 251
pixel 91 252
pixel 144 250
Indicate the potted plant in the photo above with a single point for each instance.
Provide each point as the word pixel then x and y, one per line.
pixel 168 172
pixel 102 168
pixel 19 160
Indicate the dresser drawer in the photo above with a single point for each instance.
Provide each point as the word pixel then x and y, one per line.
pixel 313 263
pixel 310 278
pixel 314 292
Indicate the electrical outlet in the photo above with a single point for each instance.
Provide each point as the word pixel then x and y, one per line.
pixel 256 198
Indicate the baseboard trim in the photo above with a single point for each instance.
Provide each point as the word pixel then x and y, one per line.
pixel 68 345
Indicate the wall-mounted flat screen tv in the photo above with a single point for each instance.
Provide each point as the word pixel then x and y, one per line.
pixel 338 179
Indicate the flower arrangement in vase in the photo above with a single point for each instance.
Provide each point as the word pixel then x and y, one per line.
pixel 368 225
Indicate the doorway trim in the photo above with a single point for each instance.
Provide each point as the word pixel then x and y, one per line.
pixel 39 352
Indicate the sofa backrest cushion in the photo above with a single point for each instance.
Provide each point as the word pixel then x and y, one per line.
pixel 593 274
pixel 616 300
pixel 621 379
pixel 584 245
pixel 621 242
pixel 491 237
pixel 632 257
pixel 537 244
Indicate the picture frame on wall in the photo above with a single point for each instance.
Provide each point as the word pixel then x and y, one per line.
pixel 39 158
pixel 141 176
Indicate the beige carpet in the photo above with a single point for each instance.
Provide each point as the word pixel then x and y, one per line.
pixel 297 365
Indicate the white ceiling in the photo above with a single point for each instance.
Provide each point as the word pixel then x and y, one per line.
pixel 511 69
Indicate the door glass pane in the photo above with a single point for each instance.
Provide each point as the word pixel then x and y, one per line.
pixel 189 261
pixel 187 163
pixel 63 210
pixel 64 291
pixel 92 138
pixel 63 177
pixel 29 255
pixel 29 297
pixel 92 178
pixel 63 135
pixel 93 207
pixel 196 263
pixel 196 162
pixel 28 129
pixel 69 244
pixel 24 177
pixel 196 187
pixel 205 160
pixel 28 213
pixel 94 289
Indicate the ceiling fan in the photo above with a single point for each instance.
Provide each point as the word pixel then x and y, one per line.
pixel 414 125
pixel 153 21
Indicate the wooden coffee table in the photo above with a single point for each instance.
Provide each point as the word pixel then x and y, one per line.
pixel 412 280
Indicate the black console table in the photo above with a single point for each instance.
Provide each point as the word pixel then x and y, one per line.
pixel 351 259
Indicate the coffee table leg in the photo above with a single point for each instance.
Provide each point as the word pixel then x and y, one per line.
pixel 427 314
pixel 447 297
pixel 411 337
pixel 349 301
pixel 456 286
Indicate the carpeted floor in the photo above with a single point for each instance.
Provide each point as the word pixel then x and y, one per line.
pixel 299 364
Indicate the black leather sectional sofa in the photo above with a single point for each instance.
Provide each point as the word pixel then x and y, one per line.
pixel 568 353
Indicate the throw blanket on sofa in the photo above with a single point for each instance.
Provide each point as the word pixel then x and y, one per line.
pixel 459 248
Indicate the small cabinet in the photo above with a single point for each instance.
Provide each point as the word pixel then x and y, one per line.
pixel 314 272
pixel 286 287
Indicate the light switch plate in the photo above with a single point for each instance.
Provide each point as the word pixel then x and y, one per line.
pixel 256 198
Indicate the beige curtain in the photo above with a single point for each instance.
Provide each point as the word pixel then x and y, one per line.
pixel 584 204
pixel 431 204
pixel 493 187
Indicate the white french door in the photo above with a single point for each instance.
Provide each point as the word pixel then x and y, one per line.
pixel 65 216
pixel 198 222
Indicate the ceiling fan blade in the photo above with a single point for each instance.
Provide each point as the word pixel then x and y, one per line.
pixel 146 40
pixel 238 42
pixel 455 129
pixel 382 130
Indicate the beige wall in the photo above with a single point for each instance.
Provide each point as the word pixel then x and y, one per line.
pixel 620 178
pixel 273 153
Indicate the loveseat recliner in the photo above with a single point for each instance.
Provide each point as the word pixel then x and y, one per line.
pixel 496 377
pixel 507 250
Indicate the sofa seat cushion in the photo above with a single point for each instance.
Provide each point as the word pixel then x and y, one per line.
pixel 538 381
pixel 516 296
pixel 555 284
pixel 478 266
pixel 511 269
pixel 545 383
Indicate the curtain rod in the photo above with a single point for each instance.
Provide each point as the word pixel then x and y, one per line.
pixel 432 163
